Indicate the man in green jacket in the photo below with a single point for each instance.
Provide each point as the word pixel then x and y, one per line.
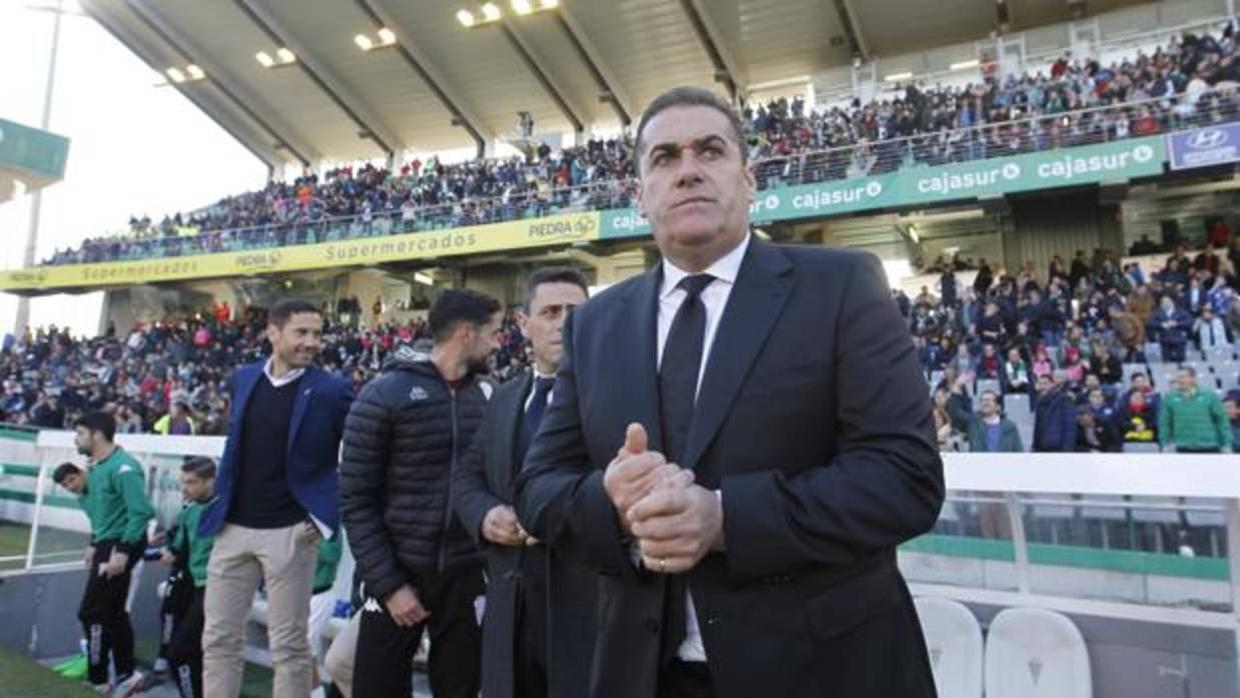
pixel 989 431
pixel 1193 420
pixel 113 495
pixel 191 550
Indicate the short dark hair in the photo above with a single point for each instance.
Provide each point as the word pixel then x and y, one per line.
pixel 286 308
pixel 1138 374
pixel 63 471
pixel 691 97
pixel 201 467
pixel 553 275
pixel 101 422
pixel 457 305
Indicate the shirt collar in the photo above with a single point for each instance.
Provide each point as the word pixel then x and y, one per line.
pixel 539 374
pixel 725 269
pixel 282 380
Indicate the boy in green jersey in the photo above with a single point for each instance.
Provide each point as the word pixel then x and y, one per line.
pixel 112 492
pixel 190 551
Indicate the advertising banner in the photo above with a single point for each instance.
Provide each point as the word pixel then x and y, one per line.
pixel 511 235
pixel 1090 164
pixel 1203 147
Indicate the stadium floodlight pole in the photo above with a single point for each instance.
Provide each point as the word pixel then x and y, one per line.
pixel 36 200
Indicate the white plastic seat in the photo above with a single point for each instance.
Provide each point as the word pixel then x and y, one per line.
pixel 1016 403
pixel 1153 352
pixel 954 643
pixel 1035 653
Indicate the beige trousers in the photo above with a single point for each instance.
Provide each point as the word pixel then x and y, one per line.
pixel 284 558
pixel 339 660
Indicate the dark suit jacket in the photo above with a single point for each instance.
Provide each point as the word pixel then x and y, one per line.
pixel 313 454
pixel 814 422
pixel 483 480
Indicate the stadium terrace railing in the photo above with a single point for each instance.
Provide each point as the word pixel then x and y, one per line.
pixel 981 142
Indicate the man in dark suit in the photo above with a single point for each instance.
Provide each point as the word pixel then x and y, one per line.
pixel 516 635
pixel 777 446
pixel 276 496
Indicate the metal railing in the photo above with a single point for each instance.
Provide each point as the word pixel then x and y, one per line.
pixel 981 142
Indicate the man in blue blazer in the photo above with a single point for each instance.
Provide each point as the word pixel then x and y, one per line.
pixel 739 440
pixel 276 497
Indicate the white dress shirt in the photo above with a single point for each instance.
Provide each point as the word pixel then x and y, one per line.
pixel 530 398
pixel 715 299
pixel 282 380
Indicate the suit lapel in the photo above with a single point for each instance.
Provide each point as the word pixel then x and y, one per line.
pixel 508 430
pixel 636 357
pixel 754 305
pixel 301 401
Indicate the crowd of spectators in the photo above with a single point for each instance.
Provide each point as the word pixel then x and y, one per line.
pixel 1189 81
pixel 1073 329
pixel 172 377
pixel 1064 338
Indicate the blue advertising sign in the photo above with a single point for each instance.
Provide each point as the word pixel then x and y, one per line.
pixel 1203 147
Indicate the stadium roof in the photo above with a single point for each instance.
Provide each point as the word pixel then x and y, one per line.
pixel 441 86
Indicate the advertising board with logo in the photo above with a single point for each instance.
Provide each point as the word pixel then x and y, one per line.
pixel 495 237
pixel 1203 147
pixel 1091 164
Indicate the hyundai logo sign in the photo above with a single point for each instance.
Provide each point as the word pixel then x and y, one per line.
pixel 1207 138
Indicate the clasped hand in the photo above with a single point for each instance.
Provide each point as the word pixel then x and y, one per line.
pixel 674 521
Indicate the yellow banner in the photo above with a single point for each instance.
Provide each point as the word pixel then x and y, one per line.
pixel 495 237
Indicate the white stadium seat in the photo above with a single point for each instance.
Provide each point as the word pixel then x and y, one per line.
pixel 1035 653
pixel 954 642
pixel 1153 353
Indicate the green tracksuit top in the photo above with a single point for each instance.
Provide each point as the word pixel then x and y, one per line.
pixel 1193 421
pixel 116 504
pixel 192 544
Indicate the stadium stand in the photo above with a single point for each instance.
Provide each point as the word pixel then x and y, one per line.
pixel 1093 323
pixel 1187 83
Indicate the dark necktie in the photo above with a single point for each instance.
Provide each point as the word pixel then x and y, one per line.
pixel 534 414
pixel 678 371
pixel 678 381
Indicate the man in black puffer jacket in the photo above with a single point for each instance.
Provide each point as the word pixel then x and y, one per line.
pixel 403 438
